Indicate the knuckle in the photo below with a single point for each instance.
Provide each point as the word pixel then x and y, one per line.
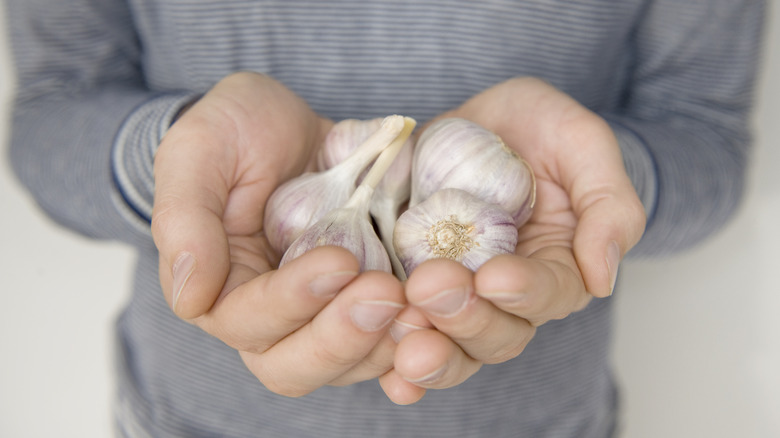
pixel 477 330
pixel 274 378
pixel 283 387
pixel 514 348
pixel 332 356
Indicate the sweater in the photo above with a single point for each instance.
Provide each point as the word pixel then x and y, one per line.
pixel 99 83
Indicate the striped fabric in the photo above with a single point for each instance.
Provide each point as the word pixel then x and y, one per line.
pixel 100 81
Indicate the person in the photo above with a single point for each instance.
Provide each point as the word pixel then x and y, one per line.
pixel 167 125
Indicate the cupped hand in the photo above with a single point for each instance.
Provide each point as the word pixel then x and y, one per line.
pixel 316 321
pixel 587 216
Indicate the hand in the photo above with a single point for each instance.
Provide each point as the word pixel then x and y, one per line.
pixel 587 216
pixel 311 323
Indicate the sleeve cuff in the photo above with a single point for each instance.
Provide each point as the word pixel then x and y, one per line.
pixel 134 149
pixel 640 165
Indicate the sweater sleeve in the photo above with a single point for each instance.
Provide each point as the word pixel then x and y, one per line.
pixel 684 123
pixel 84 125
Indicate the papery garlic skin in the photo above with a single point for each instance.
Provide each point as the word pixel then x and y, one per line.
pixel 453 224
pixel 458 153
pixel 299 203
pixel 349 228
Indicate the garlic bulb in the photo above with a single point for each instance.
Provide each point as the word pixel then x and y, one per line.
pixel 458 153
pixel 299 203
pixel 453 224
pixel 350 225
pixel 392 191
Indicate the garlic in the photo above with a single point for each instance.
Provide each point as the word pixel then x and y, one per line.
pixel 392 191
pixel 350 225
pixel 299 203
pixel 453 224
pixel 458 153
pixel 342 140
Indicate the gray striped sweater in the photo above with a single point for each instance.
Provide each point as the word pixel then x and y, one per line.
pixel 100 81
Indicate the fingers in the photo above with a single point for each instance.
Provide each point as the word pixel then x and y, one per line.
pixel 338 338
pixel 445 291
pixel 399 390
pixel 541 288
pixel 266 308
pixel 483 317
pixel 469 330
pixel 430 359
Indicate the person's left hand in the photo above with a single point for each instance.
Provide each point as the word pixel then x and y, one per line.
pixel 587 216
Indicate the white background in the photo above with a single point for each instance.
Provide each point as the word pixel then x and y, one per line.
pixel 697 338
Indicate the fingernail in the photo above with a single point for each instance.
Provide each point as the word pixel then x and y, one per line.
pixel 447 303
pixel 399 329
pixel 328 285
pixel 430 378
pixel 371 316
pixel 613 260
pixel 183 268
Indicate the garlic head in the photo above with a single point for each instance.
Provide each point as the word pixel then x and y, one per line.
pixel 458 153
pixel 453 224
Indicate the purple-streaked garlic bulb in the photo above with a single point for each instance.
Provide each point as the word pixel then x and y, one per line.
pixel 350 226
pixel 453 224
pixel 299 203
pixel 392 191
pixel 458 153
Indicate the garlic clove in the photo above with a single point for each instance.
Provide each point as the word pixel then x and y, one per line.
pixel 458 153
pixel 453 224
pixel 299 203
pixel 347 227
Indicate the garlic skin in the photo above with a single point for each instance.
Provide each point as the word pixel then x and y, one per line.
pixel 458 153
pixel 348 227
pixel 453 224
pixel 299 203
pixel 343 138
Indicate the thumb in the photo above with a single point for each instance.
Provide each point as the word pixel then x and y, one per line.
pixel 191 191
pixel 606 231
pixel 611 218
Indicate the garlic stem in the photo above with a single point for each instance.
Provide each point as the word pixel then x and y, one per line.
pixel 391 127
pixel 387 156
pixel 366 188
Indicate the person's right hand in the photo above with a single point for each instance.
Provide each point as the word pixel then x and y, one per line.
pixel 314 322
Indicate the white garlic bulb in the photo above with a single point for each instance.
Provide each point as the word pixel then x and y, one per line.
pixel 453 224
pixel 299 203
pixel 458 153
pixel 393 190
pixel 350 226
